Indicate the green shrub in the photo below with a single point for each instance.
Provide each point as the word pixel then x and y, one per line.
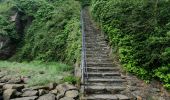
pixel 139 29
pixel 7 28
pixel 54 34
pixel 71 80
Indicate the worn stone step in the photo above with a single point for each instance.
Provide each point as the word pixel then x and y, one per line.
pixel 92 41
pixel 105 80
pixel 106 59
pixel 98 61
pixel 100 64
pixel 98 49
pixel 96 52
pixel 97 46
pixel 94 37
pixel 106 84
pixel 101 58
pixel 97 55
pixel 104 89
pixel 106 97
pixel 103 69
pixel 105 54
pixel 98 43
pixel 103 74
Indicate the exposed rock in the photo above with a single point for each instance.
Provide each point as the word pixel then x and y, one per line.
pixel 13 86
pixel 67 98
pixel 18 94
pixel 5 79
pixel 14 17
pixel 52 86
pixel 2 75
pixel 42 92
pixel 15 81
pixel 1 92
pixel 122 97
pixel 62 88
pixel 1 85
pixel 40 87
pixel 72 93
pixel 59 96
pixel 155 90
pixel 26 98
pixel 9 93
pixel 132 88
pixel 25 80
pixel 139 98
pixel 47 97
pixel 55 91
pixel 6 49
pixel 30 93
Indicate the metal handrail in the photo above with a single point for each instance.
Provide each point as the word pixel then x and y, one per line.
pixel 84 63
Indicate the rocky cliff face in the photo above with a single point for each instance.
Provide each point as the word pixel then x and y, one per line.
pixel 6 47
pixel 8 44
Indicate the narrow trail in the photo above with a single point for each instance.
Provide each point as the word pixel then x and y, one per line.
pixel 104 78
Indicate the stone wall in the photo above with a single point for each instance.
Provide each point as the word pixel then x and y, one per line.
pixel 53 91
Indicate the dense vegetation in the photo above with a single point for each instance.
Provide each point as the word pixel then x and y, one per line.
pixel 51 29
pixel 140 31
pixel 40 32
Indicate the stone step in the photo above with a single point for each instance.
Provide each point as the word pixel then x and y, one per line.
pixel 103 74
pixel 106 59
pixel 106 97
pixel 92 41
pixel 99 61
pixel 101 58
pixel 97 55
pixel 96 52
pixel 100 64
pixel 98 43
pixel 104 89
pixel 98 49
pixel 103 69
pixel 105 84
pixel 94 37
pixel 97 46
pixel 105 80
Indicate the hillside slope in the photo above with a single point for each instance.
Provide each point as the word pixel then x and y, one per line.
pixel 139 30
pixel 42 29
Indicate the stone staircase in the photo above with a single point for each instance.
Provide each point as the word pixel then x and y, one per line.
pixel 104 78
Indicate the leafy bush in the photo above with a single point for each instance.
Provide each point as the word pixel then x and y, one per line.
pixel 7 28
pixel 140 31
pixel 54 34
pixel 71 80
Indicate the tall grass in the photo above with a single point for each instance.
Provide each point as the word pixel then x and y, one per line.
pixel 40 73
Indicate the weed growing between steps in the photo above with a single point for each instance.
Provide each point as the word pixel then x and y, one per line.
pixel 39 73
pixel 139 30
